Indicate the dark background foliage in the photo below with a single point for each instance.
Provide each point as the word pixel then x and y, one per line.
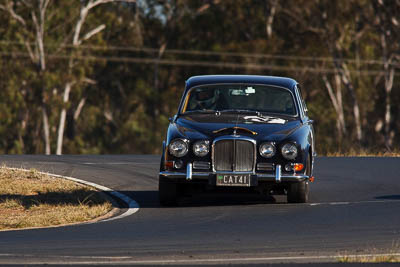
pixel 127 79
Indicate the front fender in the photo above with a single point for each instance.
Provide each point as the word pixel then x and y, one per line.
pixel 162 161
pixel 303 138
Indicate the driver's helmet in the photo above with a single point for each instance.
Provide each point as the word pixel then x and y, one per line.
pixel 206 97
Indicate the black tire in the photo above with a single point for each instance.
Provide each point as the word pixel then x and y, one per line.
pixel 167 192
pixel 299 192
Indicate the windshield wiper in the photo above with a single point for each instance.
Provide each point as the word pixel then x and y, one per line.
pixel 246 111
pixel 201 111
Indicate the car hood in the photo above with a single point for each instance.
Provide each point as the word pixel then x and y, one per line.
pixel 259 127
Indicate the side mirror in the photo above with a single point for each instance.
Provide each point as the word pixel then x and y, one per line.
pixel 172 119
pixel 305 106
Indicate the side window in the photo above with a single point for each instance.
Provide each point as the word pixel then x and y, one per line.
pixel 302 100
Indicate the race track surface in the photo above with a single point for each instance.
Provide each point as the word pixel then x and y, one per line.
pixel 354 209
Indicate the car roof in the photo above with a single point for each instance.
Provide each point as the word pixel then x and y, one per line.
pixel 246 79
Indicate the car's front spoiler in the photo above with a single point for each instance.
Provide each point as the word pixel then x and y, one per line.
pixel 277 177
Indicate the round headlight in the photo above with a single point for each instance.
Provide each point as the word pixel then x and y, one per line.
pixel 289 151
pixel 267 150
pixel 201 148
pixel 178 148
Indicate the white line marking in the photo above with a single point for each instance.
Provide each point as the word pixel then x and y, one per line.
pixel 109 163
pixel 292 258
pixel 264 259
pixel 114 259
pixel 349 203
pixel 133 206
pixel 339 203
pixel 68 256
pixel 97 257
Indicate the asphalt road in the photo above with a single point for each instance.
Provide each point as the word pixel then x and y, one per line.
pixel 354 209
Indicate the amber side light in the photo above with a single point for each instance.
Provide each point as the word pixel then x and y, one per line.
pixel 169 165
pixel 311 179
pixel 298 167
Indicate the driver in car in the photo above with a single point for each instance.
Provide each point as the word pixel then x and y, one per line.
pixel 205 99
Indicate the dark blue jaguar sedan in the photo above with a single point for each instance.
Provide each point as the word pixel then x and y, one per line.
pixel 239 131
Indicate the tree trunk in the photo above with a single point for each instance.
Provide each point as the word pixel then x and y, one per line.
pixel 340 103
pixel 76 41
pixel 344 73
pixel 39 26
pixel 389 76
pixel 79 108
pixel 356 107
pixel 63 115
pixel 337 103
pixel 46 130
pixel 270 18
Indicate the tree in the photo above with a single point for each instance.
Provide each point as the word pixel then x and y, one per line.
pixel 95 77
pixel 34 27
pixel 76 42
pixel 330 22
pixel 387 23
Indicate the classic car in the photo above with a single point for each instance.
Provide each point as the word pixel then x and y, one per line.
pixel 239 131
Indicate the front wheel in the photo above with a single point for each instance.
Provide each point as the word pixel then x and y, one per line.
pixel 299 192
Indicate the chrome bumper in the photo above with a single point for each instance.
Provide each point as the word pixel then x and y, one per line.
pixel 278 177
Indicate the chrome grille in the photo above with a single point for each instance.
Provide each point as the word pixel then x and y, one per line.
pixel 223 155
pixel 234 155
pixel 202 165
pixel 244 156
pixel 265 166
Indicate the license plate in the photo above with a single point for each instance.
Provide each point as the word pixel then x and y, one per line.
pixel 233 179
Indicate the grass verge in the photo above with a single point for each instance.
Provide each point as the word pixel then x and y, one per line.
pixel 362 153
pixel 375 259
pixel 33 199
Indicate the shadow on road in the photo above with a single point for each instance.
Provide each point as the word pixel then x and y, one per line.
pixel 389 197
pixel 149 199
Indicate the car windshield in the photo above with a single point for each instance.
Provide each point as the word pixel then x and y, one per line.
pixel 240 98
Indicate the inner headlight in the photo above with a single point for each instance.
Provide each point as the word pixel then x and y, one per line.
pixel 201 148
pixel 289 151
pixel 267 150
pixel 178 148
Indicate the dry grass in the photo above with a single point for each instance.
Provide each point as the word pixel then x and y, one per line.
pixel 364 153
pixel 375 256
pixel 377 259
pixel 32 199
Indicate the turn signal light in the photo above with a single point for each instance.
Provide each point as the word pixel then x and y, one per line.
pixel 298 167
pixel 311 179
pixel 169 165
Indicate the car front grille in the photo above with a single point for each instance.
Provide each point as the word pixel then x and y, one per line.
pixel 234 155
pixel 202 165
pixel 262 166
